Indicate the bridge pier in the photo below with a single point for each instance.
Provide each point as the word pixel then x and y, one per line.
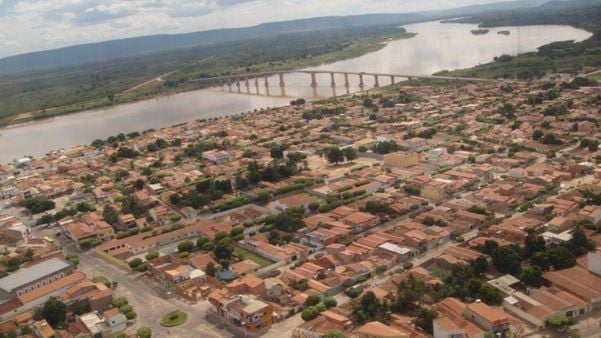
pixel 257 85
pixel 333 84
pixel 391 79
pixel 347 84
pixel 247 85
pixel 238 85
pixel 266 81
pixel 376 81
pixel 282 83
pixel 313 80
pixel 361 83
pixel 229 84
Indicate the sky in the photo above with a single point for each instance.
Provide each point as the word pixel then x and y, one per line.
pixel 32 25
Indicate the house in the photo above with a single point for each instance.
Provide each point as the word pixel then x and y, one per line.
pixel 243 267
pixel 8 192
pixel 578 282
pixel 115 320
pixel 126 222
pixel 437 189
pixel 591 213
pixel 189 212
pixel 160 214
pixel 95 296
pixel 247 313
pixel 379 330
pixel 318 327
pixel 491 319
pixel 42 329
pixel 170 271
pixel 360 221
pixel 446 328
pixel 217 157
pixel 294 201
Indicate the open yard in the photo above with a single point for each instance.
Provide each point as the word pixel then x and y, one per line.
pixel 242 254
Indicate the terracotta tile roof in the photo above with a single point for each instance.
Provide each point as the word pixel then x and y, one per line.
pixel 378 329
pixel 52 287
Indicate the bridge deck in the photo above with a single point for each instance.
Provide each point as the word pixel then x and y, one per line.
pixel 249 76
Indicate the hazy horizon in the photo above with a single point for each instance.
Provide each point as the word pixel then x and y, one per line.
pixel 36 25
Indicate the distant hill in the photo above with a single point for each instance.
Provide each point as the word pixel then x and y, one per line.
pixel 115 49
pixel 560 4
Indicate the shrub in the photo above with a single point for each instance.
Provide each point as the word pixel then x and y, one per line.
pixel 310 313
pixel 330 302
pixel 144 332
pixel 134 263
pixel 312 300
pixel 352 292
pixel 152 255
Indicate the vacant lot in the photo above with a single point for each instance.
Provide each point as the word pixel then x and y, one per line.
pixel 242 254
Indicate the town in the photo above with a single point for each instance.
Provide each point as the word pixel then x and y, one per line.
pixel 428 208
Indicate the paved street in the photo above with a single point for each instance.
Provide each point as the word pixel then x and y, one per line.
pixel 151 302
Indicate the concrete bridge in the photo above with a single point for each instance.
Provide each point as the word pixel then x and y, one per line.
pixel 245 80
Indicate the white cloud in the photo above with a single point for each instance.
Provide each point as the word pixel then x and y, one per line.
pixel 30 25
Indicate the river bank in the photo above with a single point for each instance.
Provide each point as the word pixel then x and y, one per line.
pixel 435 47
pixel 150 89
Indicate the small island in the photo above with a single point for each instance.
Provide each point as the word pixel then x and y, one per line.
pixel 480 31
pixel 503 32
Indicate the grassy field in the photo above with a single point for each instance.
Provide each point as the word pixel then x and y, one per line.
pixel 243 254
pixel 27 97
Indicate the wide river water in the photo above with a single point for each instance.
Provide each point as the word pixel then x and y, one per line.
pixel 436 47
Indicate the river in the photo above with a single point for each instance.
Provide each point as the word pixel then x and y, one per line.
pixel 436 47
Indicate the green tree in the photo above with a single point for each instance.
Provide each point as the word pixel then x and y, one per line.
pixel 38 204
pixel 73 258
pixel 579 244
pixel 537 134
pixel 54 311
pixel 277 152
pixel 534 244
pixel 201 241
pixel 210 269
pixel 532 276
pixel 350 154
pixel 312 300
pixel 479 265
pixel 561 258
pixel 541 260
pixel 310 313
pixel 507 259
pixel 144 332
pixel 334 334
pixel 334 155
pixel 110 215
pixel 330 302
pixel 490 295
pixel 152 255
pixel 425 318
pixel 134 263
pixel 185 246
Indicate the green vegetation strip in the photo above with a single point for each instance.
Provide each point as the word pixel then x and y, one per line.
pixel 174 318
